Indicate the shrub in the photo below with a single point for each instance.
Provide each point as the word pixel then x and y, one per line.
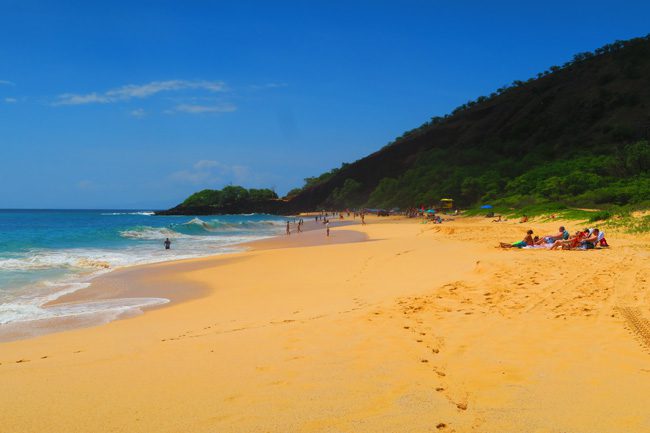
pixel 600 216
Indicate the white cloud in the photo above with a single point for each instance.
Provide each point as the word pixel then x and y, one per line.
pixel 138 112
pixel 138 91
pixel 206 164
pixel 209 172
pixel 7 83
pixel 10 100
pixel 267 86
pixel 200 109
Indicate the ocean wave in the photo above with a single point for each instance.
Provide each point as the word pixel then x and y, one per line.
pixel 151 233
pixel 24 312
pixel 64 259
pixel 214 225
pixel 143 213
pixel 84 261
pixel 196 227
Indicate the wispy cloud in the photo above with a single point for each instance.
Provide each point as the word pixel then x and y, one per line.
pixel 137 91
pixel 138 112
pixel 210 172
pixel 11 100
pixel 267 86
pixel 201 109
pixel 7 83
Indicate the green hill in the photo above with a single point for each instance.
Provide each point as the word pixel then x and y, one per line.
pixel 576 134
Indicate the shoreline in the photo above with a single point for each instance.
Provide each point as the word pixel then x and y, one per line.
pixel 132 282
pixel 421 328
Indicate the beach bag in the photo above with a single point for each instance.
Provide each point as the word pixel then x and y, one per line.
pixel 587 245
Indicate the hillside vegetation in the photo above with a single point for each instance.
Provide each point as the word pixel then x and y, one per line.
pixel 231 199
pixel 575 135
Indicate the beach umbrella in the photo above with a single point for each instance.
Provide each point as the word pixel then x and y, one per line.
pixel 486 206
pixel 431 211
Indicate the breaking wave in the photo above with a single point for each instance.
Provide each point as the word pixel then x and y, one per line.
pixel 199 227
pixel 143 213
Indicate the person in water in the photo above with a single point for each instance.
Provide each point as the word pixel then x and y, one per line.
pixel 167 243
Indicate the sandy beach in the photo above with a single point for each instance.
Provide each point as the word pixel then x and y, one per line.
pixel 395 326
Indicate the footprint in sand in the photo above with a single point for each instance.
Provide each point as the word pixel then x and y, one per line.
pixel 22 360
pixel 441 425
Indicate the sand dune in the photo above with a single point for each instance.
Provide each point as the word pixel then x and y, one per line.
pixel 420 328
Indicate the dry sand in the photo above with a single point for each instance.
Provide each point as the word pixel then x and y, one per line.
pixel 420 328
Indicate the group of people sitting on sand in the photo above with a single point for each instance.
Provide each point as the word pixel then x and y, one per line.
pixel 586 239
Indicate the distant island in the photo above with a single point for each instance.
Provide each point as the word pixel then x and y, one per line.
pixel 574 135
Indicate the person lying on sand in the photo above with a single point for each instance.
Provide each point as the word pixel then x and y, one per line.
pixel 528 241
pixel 524 219
pixel 591 241
pixel 498 220
pixel 571 243
pixel 549 239
pixel 581 240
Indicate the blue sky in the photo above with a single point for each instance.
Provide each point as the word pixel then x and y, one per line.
pixel 138 104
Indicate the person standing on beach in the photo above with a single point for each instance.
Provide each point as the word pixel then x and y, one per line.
pixel 327 228
pixel 288 228
pixel 167 243
pixel 363 219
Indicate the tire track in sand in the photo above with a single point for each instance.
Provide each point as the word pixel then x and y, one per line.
pixel 639 325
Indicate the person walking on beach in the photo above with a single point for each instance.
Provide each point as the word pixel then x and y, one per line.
pixel 363 219
pixel 327 228
pixel 167 243
pixel 288 228
pixel 300 226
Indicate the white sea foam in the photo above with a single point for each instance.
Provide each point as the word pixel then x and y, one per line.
pixel 144 213
pixel 152 233
pixel 24 312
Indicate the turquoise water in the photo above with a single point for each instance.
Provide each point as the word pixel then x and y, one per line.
pixel 46 253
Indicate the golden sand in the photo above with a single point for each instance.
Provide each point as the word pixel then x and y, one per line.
pixel 421 328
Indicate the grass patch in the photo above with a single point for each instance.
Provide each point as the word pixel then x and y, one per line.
pixel 630 224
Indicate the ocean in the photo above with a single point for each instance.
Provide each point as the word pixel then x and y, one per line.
pixel 47 253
